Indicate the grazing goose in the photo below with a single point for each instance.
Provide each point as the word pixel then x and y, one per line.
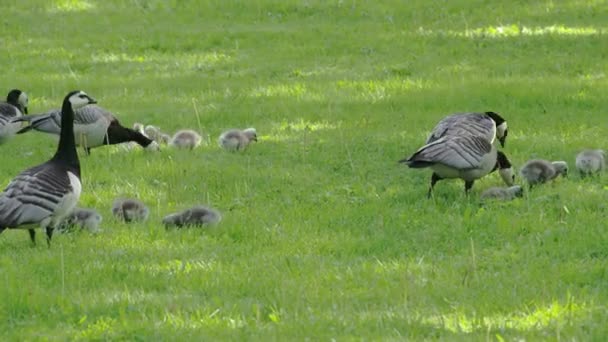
pixel 236 139
pixel 505 169
pixel 538 171
pixel 130 210
pixel 489 125
pixel 43 195
pixel 14 107
pixel 502 194
pixel 466 157
pixel 129 145
pixel 186 138
pixel 196 216
pixel 93 126
pixel 590 162
pixel 83 218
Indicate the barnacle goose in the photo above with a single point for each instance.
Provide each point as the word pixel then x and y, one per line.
pixel 467 157
pixel 195 216
pixel 93 126
pixel 590 162
pixel 538 171
pixel 130 210
pixel 489 125
pixel 14 107
pixel 236 139
pixel 502 194
pixel 186 138
pixel 43 195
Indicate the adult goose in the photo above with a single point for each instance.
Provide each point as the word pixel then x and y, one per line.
pixel 14 107
pixel 467 157
pixel 43 195
pixel 93 126
pixel 489 125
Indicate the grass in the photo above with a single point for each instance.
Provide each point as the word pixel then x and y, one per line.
pixel 324 236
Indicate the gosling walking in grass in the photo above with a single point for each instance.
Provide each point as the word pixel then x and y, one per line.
pixel 590 162
pixel 130 210
pixel 236 139
pixel 196 216
pixel 502 194
pixel 539 171
pixel 186 139
pixel 83 218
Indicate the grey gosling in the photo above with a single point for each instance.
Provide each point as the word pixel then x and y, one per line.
pixel 236 139
pixel 538 171
pixel 43 195
pixel 130 210
pixel 196 216
pixel 14 107
pixel 590 162
pixel 186 138
pixel 83 218
pixel 502 194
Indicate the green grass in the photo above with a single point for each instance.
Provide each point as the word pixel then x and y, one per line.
pixel 324 235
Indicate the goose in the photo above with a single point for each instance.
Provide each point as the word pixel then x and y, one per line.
pixel 83 218
pixel 505 168
pixel 186 138
pixel 130 210
pixel 538 171
pixel 93 126
pixel 195 216
pixel 468 157
pixel 489 125
pixel 14 107
pixel 590 162
pixel 43 195
pixel 502 194
pixel 236 139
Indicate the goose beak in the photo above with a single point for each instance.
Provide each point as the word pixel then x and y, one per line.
pixel 92 100
pixel 25 110
pixel 502 140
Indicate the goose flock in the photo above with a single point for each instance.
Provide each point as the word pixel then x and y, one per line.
pixel 45 196
pixel 463 146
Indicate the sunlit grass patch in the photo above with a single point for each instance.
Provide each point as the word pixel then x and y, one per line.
pixel 71 6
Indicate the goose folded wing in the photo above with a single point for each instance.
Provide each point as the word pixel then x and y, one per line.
pixel 464 123
pixel 8 110
pixel 462 153
pixel 33 195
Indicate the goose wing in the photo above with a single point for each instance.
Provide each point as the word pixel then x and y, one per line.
pixel 459 152
pixel 33 195
pixel 478 124
pixel 8 111
pixel 50 122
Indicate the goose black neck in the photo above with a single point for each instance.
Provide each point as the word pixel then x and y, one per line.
pixel 66 150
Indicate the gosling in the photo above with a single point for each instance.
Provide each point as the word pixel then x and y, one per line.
pixel 539 171
pixel 502 194
pixel 83 218
pixel 186 139
pixel 196 216
pixel 236 139
pixel 590 162
pixel 130 210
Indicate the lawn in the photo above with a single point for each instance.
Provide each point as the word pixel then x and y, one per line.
pixel 324 235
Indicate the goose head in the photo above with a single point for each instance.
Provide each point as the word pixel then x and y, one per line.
pixel 251 134
pixel 505 169
pixel 79 99
pixel 18 99
pixel 501 127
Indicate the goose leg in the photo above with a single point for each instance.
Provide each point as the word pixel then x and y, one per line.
pixel 467 187
pixel 434 179
pixel 49 235
pixel 32 236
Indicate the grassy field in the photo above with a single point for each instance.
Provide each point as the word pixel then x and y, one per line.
pixel 324 235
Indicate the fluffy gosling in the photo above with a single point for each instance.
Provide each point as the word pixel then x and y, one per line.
pixel 236 139
pixel 83 218
pixel 130 210
pixel 502 194
pixel 538 171
pixel 186 139
pixel 590 162
pixel 196 216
